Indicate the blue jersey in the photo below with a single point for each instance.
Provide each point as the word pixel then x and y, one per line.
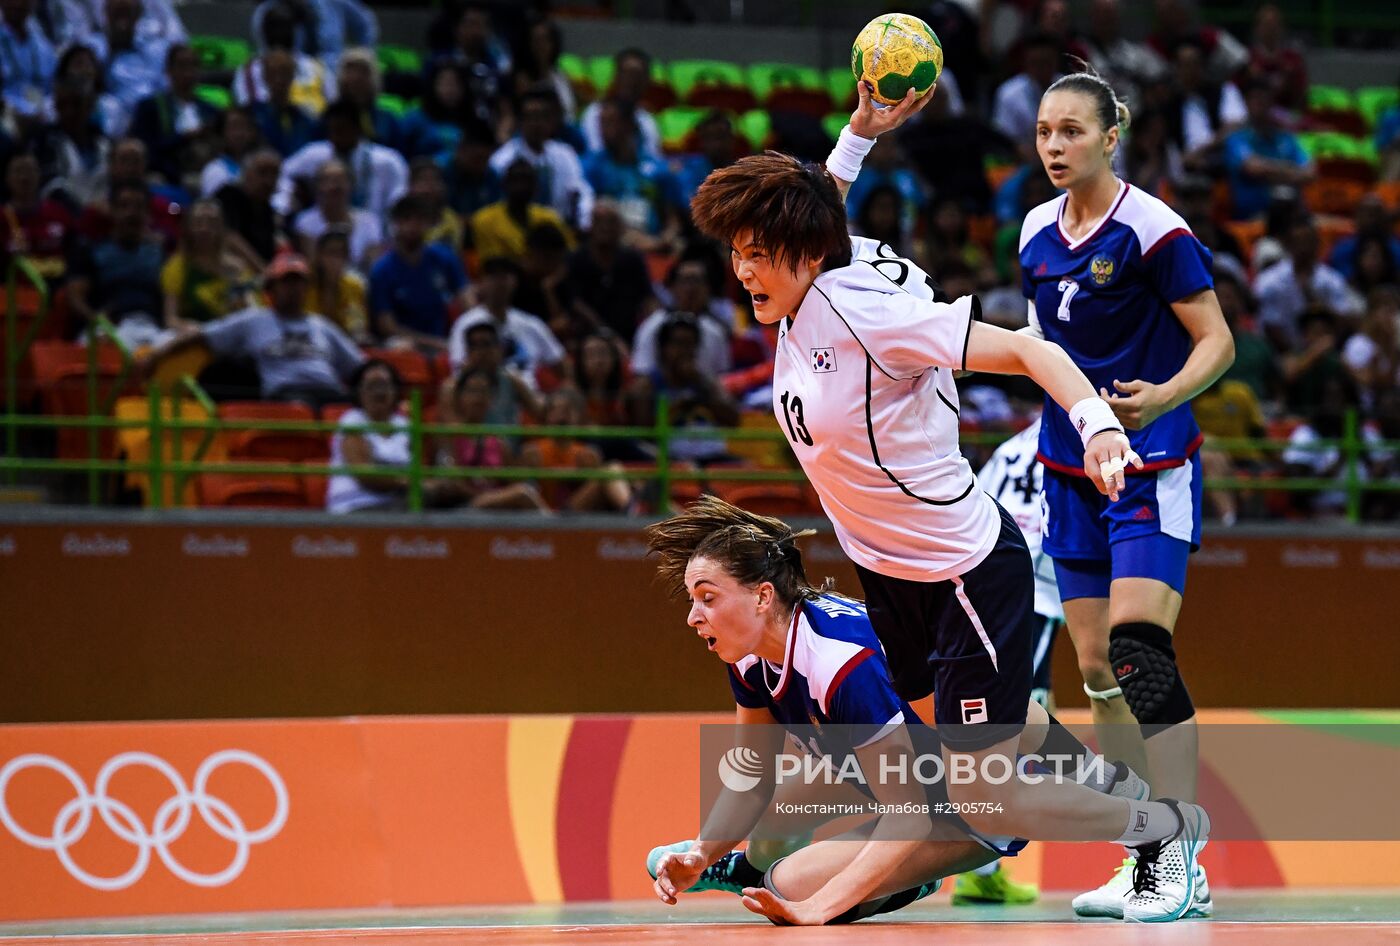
pixel 834 672
pixel 1106 300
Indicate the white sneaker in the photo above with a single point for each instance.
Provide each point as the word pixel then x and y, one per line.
pixel 1202 905
pixel 1108 899
pixel 1164 880
pixel 1129 784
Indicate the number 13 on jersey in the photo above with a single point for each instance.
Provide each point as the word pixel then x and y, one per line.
pixel 792 413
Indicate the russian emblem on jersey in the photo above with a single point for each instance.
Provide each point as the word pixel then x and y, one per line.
pixel 823 359
pixel 1101 269
pixel 974 711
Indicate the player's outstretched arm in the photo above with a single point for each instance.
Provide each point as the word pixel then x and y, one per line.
pixel 1106 449
pixel 867 124
pixel 734 814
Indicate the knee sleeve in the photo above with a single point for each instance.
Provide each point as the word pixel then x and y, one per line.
pixel 1144 665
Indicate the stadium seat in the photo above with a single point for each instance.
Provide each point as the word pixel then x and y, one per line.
pixel 601 69
pixel 841 86
pixel 771 499
pixel 256 491
pixel 393 104
pixel 314 486
pixel 1389 192
pixel 1247 233
pixel 765 78
pixel 215 96
pixel 1333 196
pixel 1374 101
pixel 61 377
pixel 690 75
pixel 755 126
pixel 574 67
pixel 134 443
pixel 1330 230
pixel 677 123
pixel 1330 97
pixel 288 446
pixel 221 53
pixel 833 123
pixel 399 59
pixel 1347 169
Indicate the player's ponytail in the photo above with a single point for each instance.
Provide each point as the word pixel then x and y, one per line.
pixel 1108 108
pixel 751 548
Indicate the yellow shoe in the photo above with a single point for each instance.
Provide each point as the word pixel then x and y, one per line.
pixel 996 887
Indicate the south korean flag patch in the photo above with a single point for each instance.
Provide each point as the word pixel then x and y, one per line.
pixel 823 360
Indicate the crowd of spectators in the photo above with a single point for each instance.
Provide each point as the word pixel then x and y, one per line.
pixel 533 235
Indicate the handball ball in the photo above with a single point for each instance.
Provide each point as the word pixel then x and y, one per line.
pixel 894 53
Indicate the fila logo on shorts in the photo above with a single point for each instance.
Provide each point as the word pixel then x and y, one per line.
pixel 823 359
pixel 974 711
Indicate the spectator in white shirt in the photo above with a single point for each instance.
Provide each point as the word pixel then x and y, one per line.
pixel 378 175
pixel 557 166
pixel 332 209
pixel 1209 111
pixel 689 283
pixel 527 343
pixel 1298 281
pixel 1018 98
pixel 631 77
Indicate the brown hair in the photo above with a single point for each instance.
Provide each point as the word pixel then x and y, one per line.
pixel 792 208
pixel 751 548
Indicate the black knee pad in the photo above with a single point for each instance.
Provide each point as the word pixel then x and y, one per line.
pixel 1144 664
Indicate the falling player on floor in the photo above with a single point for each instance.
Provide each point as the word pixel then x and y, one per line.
pixel 806 662
pixel 1118 280
pixel 863 386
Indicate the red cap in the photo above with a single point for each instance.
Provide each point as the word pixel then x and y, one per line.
pixel 286 264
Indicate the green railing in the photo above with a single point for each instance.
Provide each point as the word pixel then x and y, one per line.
pixel 163 420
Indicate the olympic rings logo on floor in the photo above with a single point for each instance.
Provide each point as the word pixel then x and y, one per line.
pixel 171 818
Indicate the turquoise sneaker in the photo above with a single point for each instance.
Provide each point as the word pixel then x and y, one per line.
pixel 718 876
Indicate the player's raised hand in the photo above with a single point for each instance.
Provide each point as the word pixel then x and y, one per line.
pixel 1107 455
pixel 677 873
pixel 1137 403
pixel 871 122
pixel 764 902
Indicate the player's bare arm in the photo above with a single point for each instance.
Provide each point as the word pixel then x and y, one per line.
pixel 997 351
pixel 1138 403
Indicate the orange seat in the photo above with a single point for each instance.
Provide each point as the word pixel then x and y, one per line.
pixel 290 446
pixel 257 490
pixel 1334 196
pixel 313 488
pixel 771 499
pixel 1247 232
pixel 1330 230
pixel 1389 192
pixel 997 176
pixel 61 377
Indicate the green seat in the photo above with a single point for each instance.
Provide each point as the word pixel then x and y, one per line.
pixel 1332 97
pixel 677 123
pixel 1375 101
pixel 400 59
pixel 395 105
pixel 833 123
pixel 686 74
pixel 600 70
pixel 214 95
pixel 755 125
pixel 841 85
pixel 574 67
pixel 221 52
pixel 764 77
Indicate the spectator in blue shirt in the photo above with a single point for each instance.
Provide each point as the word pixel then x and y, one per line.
pixel 638 181
pixel 467 172
pixel 414 288
pixel 1372 221
pixel 718 148
pixel 285 127
pixel 172 124
pixel 1262 156
pixel 27 59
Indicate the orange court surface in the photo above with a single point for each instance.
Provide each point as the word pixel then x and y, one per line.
pixel 1354 917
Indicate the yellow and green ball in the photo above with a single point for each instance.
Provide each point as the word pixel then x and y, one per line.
pixel 896 52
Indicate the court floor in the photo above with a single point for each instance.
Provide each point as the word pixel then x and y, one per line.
pixel 1243 918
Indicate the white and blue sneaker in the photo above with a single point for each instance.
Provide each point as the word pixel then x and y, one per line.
pixel 1166 875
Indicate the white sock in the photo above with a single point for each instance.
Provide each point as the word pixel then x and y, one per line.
pixel 988 869
pixel 1149 821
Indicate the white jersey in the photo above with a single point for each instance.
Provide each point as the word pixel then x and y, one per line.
pixel 1013 477
pixel 863 387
